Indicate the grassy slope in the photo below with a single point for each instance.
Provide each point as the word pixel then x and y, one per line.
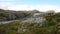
pixel 12 28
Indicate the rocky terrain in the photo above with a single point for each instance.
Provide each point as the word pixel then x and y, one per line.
pixel 13 15
pixel 29 22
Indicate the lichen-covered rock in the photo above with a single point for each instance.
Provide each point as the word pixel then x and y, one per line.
pixel 41 21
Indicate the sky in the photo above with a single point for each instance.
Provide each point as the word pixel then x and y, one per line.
pixel 41 5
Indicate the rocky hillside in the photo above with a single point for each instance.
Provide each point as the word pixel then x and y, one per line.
pixel 13 15
pixel 30 22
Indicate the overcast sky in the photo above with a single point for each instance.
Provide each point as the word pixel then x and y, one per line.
pixel 41 5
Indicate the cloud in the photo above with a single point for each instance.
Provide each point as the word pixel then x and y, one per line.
pixel 4 5
pixel 47 7
pixel 37 7
pixel 22 7
pixel 10 6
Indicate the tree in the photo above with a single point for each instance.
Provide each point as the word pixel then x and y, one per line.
pixel 50 12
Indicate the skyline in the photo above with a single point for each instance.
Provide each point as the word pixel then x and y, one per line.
pixel 41 5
